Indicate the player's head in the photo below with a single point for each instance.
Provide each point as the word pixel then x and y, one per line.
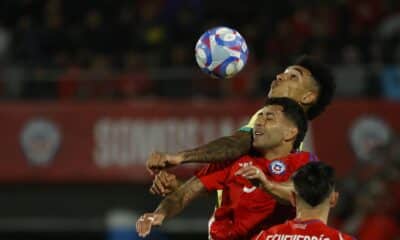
pixel 309 82
pixel 314 185
pixel 281 122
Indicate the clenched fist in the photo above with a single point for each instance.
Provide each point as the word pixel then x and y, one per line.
pixel 164 183
pixel 158 161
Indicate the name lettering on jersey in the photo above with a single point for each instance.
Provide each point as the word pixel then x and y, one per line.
pixel 295 237
pixel 277 167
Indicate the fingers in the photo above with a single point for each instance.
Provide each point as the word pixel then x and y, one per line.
pixel 153 162
pixel 144 224
pixel 146 221
pixel 164 183
pixel 249 172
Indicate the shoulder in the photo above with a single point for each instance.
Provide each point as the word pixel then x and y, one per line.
pixel 218 166
pixel 302 156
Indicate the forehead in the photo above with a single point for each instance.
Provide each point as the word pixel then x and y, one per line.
pixel 275 109
pixel 299 69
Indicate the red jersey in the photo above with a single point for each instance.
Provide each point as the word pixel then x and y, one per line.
pixel 246 209
pixel 302 230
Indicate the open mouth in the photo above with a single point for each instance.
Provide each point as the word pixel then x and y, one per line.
pixel 258 133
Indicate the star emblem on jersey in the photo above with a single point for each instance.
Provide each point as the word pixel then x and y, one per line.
pixel 277 167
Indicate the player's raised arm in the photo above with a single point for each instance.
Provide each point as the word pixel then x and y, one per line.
pixel 170 206
pixel 221 149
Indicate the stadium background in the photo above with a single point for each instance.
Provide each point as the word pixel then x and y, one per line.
pixel 89 88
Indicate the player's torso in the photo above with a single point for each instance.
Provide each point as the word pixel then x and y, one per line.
pixel 239 189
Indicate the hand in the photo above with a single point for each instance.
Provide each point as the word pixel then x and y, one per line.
pixel 158 161
pixel 164 183
pixel 253 174
pixel 146 221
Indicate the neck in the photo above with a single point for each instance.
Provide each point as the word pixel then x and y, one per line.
pixel 277 152
pixel 304 213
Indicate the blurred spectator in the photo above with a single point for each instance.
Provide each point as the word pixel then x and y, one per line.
pixel 390 78
pixel 350 75
pixel 68 82
pixel 4 42
pixel 98 79
pixel 134 79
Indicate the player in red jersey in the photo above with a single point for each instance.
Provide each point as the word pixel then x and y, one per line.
pixel 245 209
pixel 308 82
pixel 313 197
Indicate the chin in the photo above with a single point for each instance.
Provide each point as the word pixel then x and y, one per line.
pixel 257 146
pixel 273 94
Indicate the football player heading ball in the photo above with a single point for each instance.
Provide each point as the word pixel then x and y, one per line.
pixel 308 81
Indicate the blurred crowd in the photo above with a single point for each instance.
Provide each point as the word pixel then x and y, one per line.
pixel 53 49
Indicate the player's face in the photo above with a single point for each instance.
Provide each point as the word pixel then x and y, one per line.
pixel 270 128
pixel 296 83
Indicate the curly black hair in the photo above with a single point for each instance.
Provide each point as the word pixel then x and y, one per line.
pixel 325 82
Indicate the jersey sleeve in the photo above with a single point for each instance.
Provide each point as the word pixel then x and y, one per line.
pixel 250 125
pixel 213 175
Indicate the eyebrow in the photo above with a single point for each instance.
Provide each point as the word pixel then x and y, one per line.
pixel 269 114
pixel 299 70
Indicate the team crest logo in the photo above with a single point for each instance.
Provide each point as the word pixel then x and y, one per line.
pixel 40 140
pixel 277 167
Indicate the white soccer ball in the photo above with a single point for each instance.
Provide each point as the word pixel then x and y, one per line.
pixel 221 52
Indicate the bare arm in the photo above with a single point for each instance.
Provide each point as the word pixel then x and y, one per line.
pixel 221 149
pixel 178 200
pixel 280 190
pixel 170 206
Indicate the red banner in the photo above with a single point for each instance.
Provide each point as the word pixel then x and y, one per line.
pixel 109 142
pixel 105 141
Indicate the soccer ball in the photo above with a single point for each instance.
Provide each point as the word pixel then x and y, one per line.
pixel 221 52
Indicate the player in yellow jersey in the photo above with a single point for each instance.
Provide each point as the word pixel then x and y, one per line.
pixel 308 81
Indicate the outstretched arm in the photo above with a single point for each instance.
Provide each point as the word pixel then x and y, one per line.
pixel 221 149
pixel 170 206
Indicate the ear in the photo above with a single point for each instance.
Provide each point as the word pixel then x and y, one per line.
pixel 333 199
pixel 291 133
pixel 292 198
pixel 308 98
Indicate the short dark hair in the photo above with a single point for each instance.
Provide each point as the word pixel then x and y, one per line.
pixel 314 182
pixel 325 82
pixel 295 113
